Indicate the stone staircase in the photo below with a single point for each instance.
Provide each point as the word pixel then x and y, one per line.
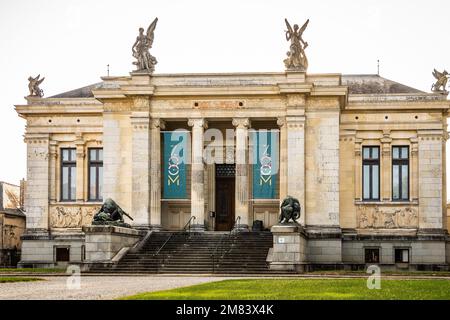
pixel 201 253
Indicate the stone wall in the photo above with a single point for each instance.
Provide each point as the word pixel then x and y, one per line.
pixel 322 168
pixel 430 180
pixel 104 242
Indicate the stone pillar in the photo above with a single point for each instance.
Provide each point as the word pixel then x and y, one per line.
pixel 210 188
pixel 431 187
pixel 414 184
pixel 53 158
pixel 140 170
pixel 197 173
pixel 242 179
pixel 296 161
pixel 386 158
pixel 358 169
pixel 283 157
pixel 155 173
pixel 37 195
pixel 81 155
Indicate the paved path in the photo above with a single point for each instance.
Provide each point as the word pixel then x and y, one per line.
pixel 93 287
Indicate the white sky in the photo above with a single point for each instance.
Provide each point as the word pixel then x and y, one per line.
pixel 71 42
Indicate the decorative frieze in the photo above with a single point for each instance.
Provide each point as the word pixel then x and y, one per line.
pixel 375 217
pixel 72 216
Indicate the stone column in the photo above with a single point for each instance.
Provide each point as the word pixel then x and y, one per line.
pixel 197 173
pixel 242 179
pixel 414 185
pixel 37 195
pixel 81 154
pixel 283 157
pixel 296 161
pixel 53 158
pixel 155 173
pixel 140 170
pixel 386 160
pixel 358 169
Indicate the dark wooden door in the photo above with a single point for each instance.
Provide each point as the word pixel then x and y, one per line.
pixel 224 203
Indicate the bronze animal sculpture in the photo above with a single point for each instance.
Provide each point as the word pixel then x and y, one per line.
pixel 289 209
pixel 110 213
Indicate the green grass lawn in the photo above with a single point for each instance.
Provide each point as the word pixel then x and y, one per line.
pixel 32 270
pixel 305 289
pixel 17 279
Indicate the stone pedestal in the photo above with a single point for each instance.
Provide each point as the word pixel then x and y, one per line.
pixel 104 242
pixel 289 248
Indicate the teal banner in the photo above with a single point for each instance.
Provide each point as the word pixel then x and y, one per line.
pixel 174 166
pixel 265 163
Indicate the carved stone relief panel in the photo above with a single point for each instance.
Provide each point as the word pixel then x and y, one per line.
pixel 72 216
pixel 387 217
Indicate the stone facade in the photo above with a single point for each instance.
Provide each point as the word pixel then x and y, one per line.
pixel 324 122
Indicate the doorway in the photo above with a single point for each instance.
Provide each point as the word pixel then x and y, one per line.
pixel 225 181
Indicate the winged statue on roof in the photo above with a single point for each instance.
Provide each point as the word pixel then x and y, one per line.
pixel 141 49
pixel 296 57
pixel 33 86
pixel 441 81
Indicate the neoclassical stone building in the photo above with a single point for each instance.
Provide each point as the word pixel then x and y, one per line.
pixel 364 155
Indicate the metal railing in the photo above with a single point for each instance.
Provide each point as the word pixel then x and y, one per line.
pixel 220 246
pixel 187 226
pixel 162 258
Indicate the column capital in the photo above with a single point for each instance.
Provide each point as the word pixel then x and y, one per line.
pixel 157 123
pixel 198 123
pixel 281 121
pixel 241 123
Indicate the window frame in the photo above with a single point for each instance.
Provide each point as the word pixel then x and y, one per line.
pixel 371 162
pixel 372 248
pixel 72 163
pixel 402 249
pixel 400 162
pixel 97 164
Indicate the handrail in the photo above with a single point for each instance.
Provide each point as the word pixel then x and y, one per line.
pixel 188 224
pixel 221 245
pixel 163 245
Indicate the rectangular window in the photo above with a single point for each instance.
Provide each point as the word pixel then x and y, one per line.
pixel 62 254
pixel 95 174
pixel 68 174
pixel 401 255
pixel 372 255
pixel 371 173
pixel 400 173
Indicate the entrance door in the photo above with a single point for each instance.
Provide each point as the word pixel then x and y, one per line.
pixel 225 177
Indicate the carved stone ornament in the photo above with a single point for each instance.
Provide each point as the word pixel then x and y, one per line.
pixel 141 49
pixel 441 81
pixel 296 58
pixel 374 217
pixel 71 217
pixel 33 86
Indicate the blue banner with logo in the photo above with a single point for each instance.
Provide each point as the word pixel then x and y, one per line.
pixel 174 164
pixel 265 163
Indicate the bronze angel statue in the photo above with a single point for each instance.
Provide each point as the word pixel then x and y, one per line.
pixel 141 49
pixel 296 59
pixel 33 86
pixel 442 78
